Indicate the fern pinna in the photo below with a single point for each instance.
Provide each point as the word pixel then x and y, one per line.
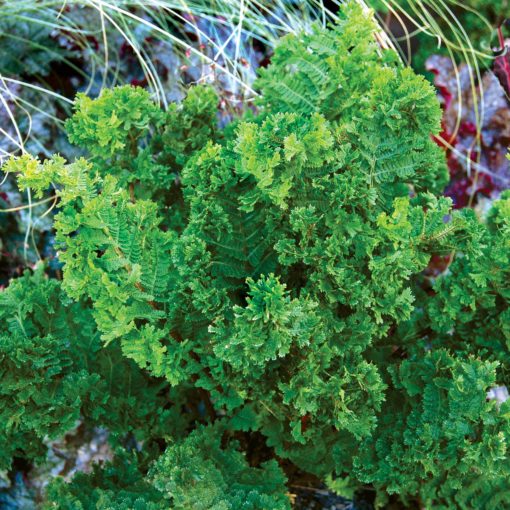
pixel 273 272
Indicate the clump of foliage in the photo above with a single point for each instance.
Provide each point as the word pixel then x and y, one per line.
pixel 470 306
pixel 119 484
pixel 218 477
pixel 55 373
pixel 440 438
pixel 269 273
pixel 43 388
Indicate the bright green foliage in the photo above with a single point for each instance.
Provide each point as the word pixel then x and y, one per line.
pixel 471 308
pixel 381 109
pixel 440 439
pixel 272 271
pixel 119 485
pixel 116 257
pixel 197 473
pixel 130 137
pixel 220 477
pixel 113 123
pixel 53 373
pixel 41 387
pixel 252 342
pixel 188 127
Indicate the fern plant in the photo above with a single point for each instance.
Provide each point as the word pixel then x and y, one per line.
pixel 55 374
pixel 270 271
